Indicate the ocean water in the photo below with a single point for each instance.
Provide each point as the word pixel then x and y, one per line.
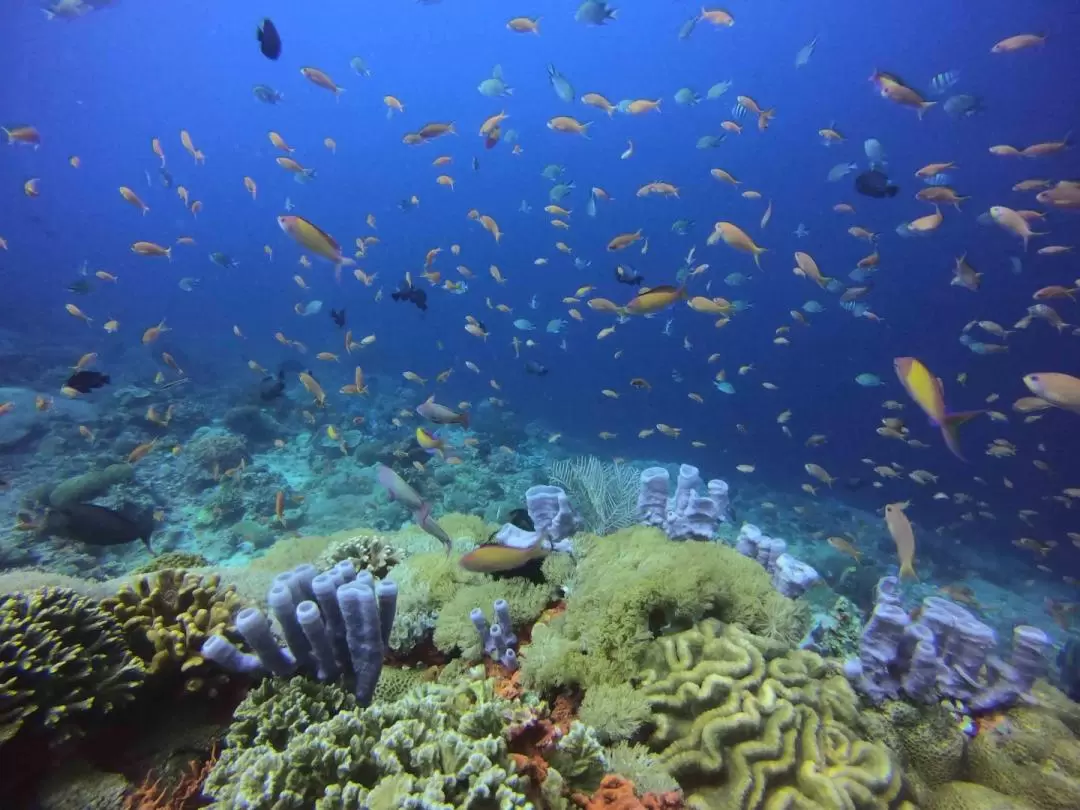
pixel 103 85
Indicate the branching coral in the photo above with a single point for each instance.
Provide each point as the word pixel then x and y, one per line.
pixel 744 723
pixel 368 552
pixel 436 747
pixel 63 663
pixel 634 584
pixel 167 615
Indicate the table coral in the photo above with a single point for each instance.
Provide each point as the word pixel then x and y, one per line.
pixel 167 615
pixel 437 747
pixel 63 663
pixel 744 723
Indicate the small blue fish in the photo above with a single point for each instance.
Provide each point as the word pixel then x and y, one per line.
pixel 939 179
pixel 943 82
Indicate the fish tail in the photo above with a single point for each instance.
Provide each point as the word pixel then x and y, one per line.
pixel 950 430
pixel 924 106
pixel 907 571
pixel 757 256
pixel 464 420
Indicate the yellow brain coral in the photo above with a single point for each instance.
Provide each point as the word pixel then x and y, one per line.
pixel 167 616
pixel 746 724
pixel 1028 753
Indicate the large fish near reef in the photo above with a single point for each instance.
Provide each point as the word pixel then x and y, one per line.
pixel 96 526
pixel 440 414
pixel 399 490
pixel 495 557
pixel 929 394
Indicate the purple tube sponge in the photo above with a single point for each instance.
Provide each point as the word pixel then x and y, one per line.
pixel 497 639
pixel 881 642
pixel 793 577
pixel 333 624
pixel 691 513
pixel 551 512
pixel 1030 658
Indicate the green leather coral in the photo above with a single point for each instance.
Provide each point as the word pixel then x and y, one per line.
pixel 636 583
pixel 167 615
pixel 303 747
pixel 743 723
pixel 63 664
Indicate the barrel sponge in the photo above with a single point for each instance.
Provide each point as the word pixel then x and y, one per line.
pixel 1029 754
pixel 744 723
pixel 969 796
pixel 629 585
pixel 63 664
pixel 438 746
pixel 167 615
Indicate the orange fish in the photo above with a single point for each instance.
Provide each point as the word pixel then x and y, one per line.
pixel 929 394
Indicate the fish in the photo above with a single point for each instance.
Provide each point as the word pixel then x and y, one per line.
pixel 1060 390
pixel 398 488
pixel 86 381
pixel 96 525
pixel 875 183
pixel 903 536
pixel 655 299
pixel 802 56
pixel 561 85
pixel 314 239
pixel 426 522
pixel 267 94
pixel 495 557
pixel 440 414
pixel 269 39
pixel 595 12
pixel 928 393
pixel 943 82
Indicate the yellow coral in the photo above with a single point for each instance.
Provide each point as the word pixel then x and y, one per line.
pixel 969 796
pixel 743 723
pixel 928 739
pixel 166 616
pixel 1029 754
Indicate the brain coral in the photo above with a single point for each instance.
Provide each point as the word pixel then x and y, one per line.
pixel 1029 754
pixel 167 615
pixel 744 723
pixel 63 662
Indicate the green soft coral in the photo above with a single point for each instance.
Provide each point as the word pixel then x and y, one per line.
pixel 454 629
pixel 744 723
pixel 439 747
pixel 630 586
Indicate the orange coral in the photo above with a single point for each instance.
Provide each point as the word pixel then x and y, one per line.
pixel 617 793
pixel 185 795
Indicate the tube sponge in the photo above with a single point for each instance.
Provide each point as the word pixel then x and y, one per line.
pixel 690 513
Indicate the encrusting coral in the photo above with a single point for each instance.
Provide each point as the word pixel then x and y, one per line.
pixel 167 615
pixel 172 559
pixel 632 585
pixel 63 664
pixel 438 746
pixel 745 723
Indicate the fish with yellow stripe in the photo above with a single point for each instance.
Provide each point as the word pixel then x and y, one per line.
pixel 929 394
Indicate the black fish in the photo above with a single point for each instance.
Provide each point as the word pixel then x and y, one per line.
pixel 875 184
pixel 520 518
pixel 86 381
pixel 269 40
pixel 539 369
pixel 96 526
pixel 338 316
pixel 476 164
pixel 80 287
pixel 626 275
pixel 270 388
pixel 407 292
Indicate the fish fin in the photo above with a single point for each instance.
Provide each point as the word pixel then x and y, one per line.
pixel 907 571
pixel 465 420
pixel 949 430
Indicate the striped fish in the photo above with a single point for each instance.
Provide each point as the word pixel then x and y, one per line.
pixel 943 82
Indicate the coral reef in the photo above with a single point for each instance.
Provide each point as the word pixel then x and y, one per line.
pixel 167 616
pixel 455 629
pixel 616 711
pixel 367 552
pixel 744 723
pixel 686 515
pixel 497 639
pixel 179 560
pixel 946 652
pixel 634 584
pixel 63 664
pixel 553 517
pixel 334 624
pixel 617 793
pixel 437 746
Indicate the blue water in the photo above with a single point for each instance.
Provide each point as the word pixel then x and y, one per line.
pixel 102 86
